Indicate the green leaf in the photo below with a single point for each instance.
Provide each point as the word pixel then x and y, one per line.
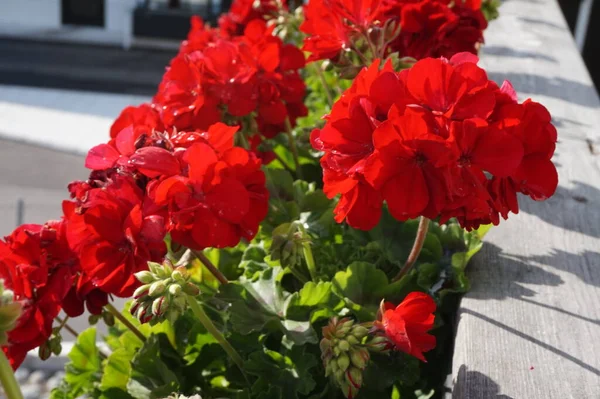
pixel 386 370
pixel 290 371
pixel 306 303
pixel 260 304
pixel 116 369
pixel 83 371
pixel 153 369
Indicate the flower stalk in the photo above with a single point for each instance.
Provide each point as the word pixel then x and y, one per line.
pixel 326 88
pixel 211 268
pixel 293 148
pixel 126 322
pixel 8 380
pixel 212 330
pixel 416 249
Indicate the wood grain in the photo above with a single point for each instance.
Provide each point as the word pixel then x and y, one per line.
pixel 530 327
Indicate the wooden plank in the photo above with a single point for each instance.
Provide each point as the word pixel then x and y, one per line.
pixel 530 327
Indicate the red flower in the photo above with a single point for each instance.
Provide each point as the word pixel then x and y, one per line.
pixel 37 265
pixel 113 236
pixel 143 119
pixel 254 76
pixel 242 12
pixel 437 140
pixel 407 324
pixel 219 200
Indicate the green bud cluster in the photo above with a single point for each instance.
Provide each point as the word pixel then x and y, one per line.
pixel 162 295
pixel 10 311
pixel 287 243
pixel 344 355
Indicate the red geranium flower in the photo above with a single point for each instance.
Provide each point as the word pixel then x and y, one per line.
pixel 37 265
pixel 439 139
pixel 113 236
pixel 143 119
pixel 219 200
pixel 242 12
pixel 407 324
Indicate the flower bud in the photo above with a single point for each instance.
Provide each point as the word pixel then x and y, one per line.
pixel 44 351
pixel 343 361
pixel 55 345
pixel 191 289
pixel 145 276
pixel 359 331
pixel 109 318
pixel 157 288
pixel 359 357
pixel 175 289
pixel 155 267
pixel 351 339
pixel 354 377
pixel 379 343
pixel 141 291
pixel 180 274
pixel 93 319
pixel 159 306
pixel 343 345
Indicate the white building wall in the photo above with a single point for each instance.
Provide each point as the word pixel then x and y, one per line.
pixel 41 14
pixel 41 19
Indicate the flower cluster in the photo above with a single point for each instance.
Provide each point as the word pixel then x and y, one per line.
pixel 252 80
pixel 437 140
pixel 37 265
pixel 337 29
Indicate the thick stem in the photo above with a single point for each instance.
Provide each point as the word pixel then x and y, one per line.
pixel 126 322
pixel 317 68
pixel 8 380
pixel 416 249
pixel 293 148
pixel 211 268
pixel 212 330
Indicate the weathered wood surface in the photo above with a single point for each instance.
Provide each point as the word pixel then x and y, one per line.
pixel 530 327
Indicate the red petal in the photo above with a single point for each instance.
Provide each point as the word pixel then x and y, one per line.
pixel 101 157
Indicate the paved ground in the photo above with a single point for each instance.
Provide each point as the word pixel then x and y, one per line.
pixel 81 67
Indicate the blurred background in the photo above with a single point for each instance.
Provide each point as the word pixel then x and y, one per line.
pixel 68 67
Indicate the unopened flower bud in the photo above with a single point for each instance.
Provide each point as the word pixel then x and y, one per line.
pixel 141 291
pixel 343 328
pixel 157 288
pixel 55 345
pixel 180 274
pixel 343 345
pixel 145 276
pixel 359 357
pixel 359 331
pixel 343 361
pixel 351 339
pixel 109 318
pixel 155 267
pixel 349 390
pixel 44 351
pixel 175 289
pixel 379 343
pixel 93 319
pixel 191 289
pixel 159 305
pixel 354 377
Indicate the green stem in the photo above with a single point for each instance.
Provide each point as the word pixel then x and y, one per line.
pixel 293 148
pixel 126 322
pixel 310 260
pixel 282 162
pixel 212 330
pixel 7 378
pixel 211 268
pixel 298 275
pixel 317 68
pixel 63 324
pixel 416 249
